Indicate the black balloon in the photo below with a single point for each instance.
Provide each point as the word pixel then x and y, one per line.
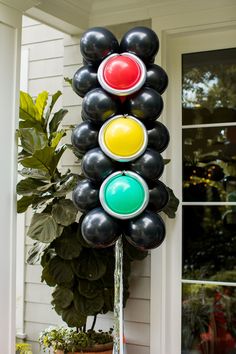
pixel 146 105
pixel 98 106
pixel 147 231
pixel 85 136
pixel 158 196
pixel 84 80
pixel 97 43
pixel 99 229
pixel 150 165
pixel 158 136
pixel 141 41
pixel 156 78
pixel 86 195
pixel 96 165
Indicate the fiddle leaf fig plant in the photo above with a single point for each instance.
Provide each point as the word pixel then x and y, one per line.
pixel 43 186
pixel 82 277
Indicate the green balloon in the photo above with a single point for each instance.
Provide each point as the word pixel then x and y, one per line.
pixel 124 194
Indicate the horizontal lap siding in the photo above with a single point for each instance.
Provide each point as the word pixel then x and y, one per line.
pixel 51 59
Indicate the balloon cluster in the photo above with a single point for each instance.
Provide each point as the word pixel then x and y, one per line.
pixel 120 139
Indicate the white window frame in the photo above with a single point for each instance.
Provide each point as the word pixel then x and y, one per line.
pixel 165 313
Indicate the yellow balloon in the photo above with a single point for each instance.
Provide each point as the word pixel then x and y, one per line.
pixel 124 136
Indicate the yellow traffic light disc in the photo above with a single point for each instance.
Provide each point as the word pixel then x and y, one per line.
pixel 123 138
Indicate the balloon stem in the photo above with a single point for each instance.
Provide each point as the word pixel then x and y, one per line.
pixel 118 298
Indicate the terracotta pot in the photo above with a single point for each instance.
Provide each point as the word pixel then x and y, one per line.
pixel 97 349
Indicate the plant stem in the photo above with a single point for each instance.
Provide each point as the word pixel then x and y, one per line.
pixel 94 322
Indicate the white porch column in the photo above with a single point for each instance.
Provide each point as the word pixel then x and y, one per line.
pixel 10 42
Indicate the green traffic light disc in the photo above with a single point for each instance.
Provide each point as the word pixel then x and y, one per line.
pixel 124 194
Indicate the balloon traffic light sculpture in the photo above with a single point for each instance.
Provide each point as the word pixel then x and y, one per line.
pixel 120 140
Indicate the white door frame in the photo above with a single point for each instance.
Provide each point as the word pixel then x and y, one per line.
pixel 177 34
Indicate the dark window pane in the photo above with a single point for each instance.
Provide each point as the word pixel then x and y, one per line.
pixel 209 87
pixel 209 164
pixel 208 319
pixel 209 243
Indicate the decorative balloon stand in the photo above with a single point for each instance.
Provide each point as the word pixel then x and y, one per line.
pixel 121 144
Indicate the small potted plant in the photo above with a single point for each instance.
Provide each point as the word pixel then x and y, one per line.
pixel 23 348
pixel 65 340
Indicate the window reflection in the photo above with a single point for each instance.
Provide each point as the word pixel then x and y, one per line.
pixel 208 319
pixel 209 243
pixel 209 87
pixel 209 164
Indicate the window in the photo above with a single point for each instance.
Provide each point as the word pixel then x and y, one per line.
pixel 209 202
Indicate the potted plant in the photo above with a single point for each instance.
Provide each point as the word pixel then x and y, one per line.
pixel 23 348
pixel 66 340
pixel 82 276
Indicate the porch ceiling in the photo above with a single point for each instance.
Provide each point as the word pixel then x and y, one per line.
pixel 74 16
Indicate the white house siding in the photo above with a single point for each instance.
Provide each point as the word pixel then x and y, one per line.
pixel 51 59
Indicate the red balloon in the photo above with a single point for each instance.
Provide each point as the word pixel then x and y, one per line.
pixel 121 72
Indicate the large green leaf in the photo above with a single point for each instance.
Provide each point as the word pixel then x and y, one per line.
pixel 35 173
pixel 29 186
pixel 44 228
pixel 56 157
pixel 24 203
pixel 28 111
pixel 33 200
pixel 62 297
pixel 90 289
pixel 56 138
pixel 47 255
pixel 47 276
pixel 54 100
pixel 31 124
pixel 56 120
pixel 36 252
pixel 64 212
pixel 41 102
pixel 89 266
pixel 32 140
pixel 66 185
pixel 61 270
pixel 88 307
pixel 41 160
pixel 67 245
pixel 73 318
pixel 172 205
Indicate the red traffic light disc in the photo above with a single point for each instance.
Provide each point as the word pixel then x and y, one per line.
pixel 122 74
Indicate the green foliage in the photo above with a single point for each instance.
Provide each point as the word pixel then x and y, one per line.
pixel 68 80
pixel 23 348
pixel 172 205
pixel 43 186
pixel 83 277
pixel 71 340
pixel 211 85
